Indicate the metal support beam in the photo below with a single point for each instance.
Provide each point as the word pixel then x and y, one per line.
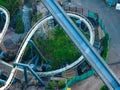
pixel 34 73
pixel 31 51
pixel 38 50
pixel 33 58
pixel 36 62
pixel 31 70
pixel 25 74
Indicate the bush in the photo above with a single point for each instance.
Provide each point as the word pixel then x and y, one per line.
pixel 56 46
pixel 51 85
pixel 104 87
pixel 19 25
pixel 61 84
pixel 11 5
pixel 105 46
pixel 39 16
pixel 1 84
pixel 16 20
pixel 36 17
pixel 27 54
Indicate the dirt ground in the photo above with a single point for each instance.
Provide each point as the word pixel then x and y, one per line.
pixel 92 83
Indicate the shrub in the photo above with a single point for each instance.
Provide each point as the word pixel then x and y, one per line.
pixel 105 46
pixel 61 84
pixel 1 84
pixel 39 16
pixel 104 87
pixel 19 25
pixel 57 47
pixel 11 5
pixel 51 85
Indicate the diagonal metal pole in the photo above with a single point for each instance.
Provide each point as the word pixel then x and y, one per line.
pixel 39 52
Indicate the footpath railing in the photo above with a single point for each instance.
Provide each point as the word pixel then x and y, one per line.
pixel 77 79
pixel 106 37
pixel 78 10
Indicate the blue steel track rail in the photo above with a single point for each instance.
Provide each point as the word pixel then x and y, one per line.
pixel 83 45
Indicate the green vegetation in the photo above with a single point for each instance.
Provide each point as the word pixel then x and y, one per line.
pixel 19 25
pixel 57 48
pixel 36 17
pixel 105 46
pixel 61 84
pixel 104 87
pixel 11 5
pixel 39 15
pixel 27 52
pixel 53 85
pixel 1 84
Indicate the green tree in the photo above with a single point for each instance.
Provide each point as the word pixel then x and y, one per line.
pixel 51 85
pixel 104 87
pixel 11 5
pixel 61 84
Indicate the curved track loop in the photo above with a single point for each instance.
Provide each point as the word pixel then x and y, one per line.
pixel 28 37
pixel 5 11
pixel 79 60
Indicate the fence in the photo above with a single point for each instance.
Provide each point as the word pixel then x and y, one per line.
pixel 107 37
pixel 78 79
pixel 78 10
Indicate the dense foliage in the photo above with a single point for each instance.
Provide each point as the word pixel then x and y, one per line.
pixel 57 48
pixel 13 7
pixel 56 85
pixel 104 87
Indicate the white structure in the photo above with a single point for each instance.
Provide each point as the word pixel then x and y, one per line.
pixel 118 6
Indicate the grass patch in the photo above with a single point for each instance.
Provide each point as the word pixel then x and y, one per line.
pixel 57 48
pixel 104 87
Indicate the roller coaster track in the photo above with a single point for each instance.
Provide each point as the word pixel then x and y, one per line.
pixel 28 37
pixel 83 45
pixel 78 39
pixel 79 60
pixel 5 11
